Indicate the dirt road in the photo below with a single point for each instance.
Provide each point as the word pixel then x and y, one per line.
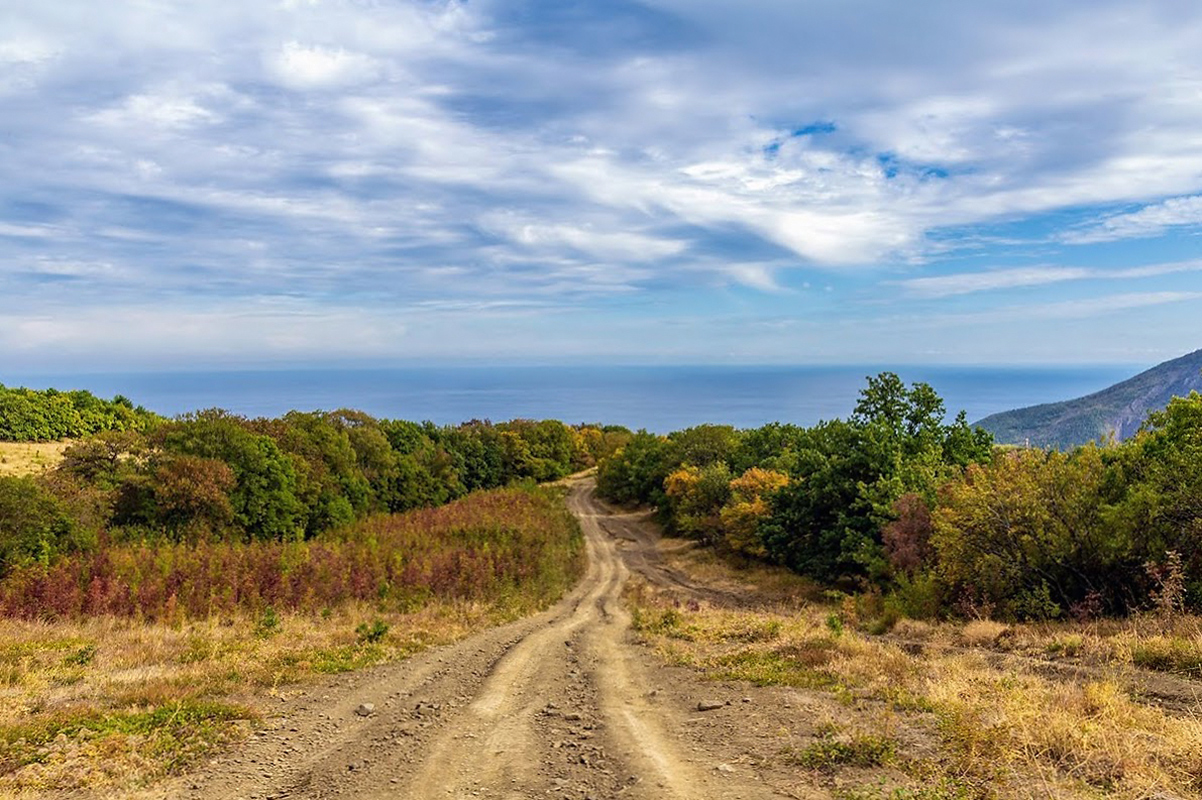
pixel 558 705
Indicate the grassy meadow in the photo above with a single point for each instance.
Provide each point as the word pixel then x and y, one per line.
pixel 30 458
pixel 929 711
pixel 106 688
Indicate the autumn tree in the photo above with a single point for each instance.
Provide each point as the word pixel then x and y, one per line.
pixel 747 507
pixel 1029 534
pixel 192 495
pixel 695 497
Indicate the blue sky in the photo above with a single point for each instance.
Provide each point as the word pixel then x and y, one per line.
pixel 383 181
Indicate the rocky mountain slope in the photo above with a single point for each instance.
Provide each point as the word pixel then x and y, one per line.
pixel 1118 410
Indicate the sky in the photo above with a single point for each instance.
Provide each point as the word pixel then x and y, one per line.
pixel 205 183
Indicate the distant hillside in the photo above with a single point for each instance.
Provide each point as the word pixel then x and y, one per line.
pixel 1120 410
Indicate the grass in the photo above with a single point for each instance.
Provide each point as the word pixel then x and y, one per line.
pixel 29 458
pixel 1169 654
pixel 110 703
pixel 1000 722
pixel 831 752
pixel 107 703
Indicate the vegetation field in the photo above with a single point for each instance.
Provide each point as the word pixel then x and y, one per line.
pixel 121 693
pixel 942 711
pixel 966 621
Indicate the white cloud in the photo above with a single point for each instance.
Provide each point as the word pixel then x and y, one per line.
pixel 1151 220
pixel 969 282
pixel 1092 307
pixel 30 231
pixel 313 67
pixel 605 243
pixel 755 276
pixel 1021 277
pixel 25 51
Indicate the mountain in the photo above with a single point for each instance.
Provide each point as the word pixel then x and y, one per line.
pixel 1119 410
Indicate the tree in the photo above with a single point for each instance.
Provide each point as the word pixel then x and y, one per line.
pixel 695 497
pixel 264 497
pixel 1160 481
pixel 821 525
pixel 704 444
pixel 192 494
pixel 34 525
pixel 28 415
pixel 101 460
pixel 635 472
pixel 747 508
pixel 907 538
pixel 1028 534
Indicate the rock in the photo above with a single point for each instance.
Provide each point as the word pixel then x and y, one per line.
pixel 725 768
pixel 710 705
pixel 365 709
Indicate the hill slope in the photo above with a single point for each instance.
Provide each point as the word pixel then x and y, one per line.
pixel 1120 409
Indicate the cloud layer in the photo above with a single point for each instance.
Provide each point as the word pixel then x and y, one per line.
pixel 336 179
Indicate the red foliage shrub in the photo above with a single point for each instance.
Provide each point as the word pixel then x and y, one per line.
pixel 475 548
pixel 907 539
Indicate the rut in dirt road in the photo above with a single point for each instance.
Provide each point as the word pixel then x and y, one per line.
pixel 557 705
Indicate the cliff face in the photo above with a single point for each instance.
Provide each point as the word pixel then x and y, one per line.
pixel 1118 410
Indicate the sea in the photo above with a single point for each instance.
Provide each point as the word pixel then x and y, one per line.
pixel 657 398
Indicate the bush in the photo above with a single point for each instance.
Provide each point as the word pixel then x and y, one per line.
pixel 518 547
pixel 371 633
pixel 35 528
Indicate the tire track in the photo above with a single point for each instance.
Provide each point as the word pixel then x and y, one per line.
pixel 556 705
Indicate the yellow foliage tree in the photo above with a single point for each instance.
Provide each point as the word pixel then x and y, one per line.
pixel 748 505
pixel 696 496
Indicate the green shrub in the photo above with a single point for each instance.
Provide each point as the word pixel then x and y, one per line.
pixel 268 623
pixel 829 753
pixel 35 527
pixel 371 633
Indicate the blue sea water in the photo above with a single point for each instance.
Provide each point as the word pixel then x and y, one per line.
pixel 659 398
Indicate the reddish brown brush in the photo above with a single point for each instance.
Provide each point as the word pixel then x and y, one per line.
pixel 476 548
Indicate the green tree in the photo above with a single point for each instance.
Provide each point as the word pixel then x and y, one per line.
pixel 703 445
pixel 264 497
pixel 1160 481
pixel 635 472
pixel 821 525
pixel 34 525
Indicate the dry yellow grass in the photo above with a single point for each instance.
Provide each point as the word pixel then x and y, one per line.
pixel 105 704
pixel 1006 725
pixel 982 632
pixel 28 458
